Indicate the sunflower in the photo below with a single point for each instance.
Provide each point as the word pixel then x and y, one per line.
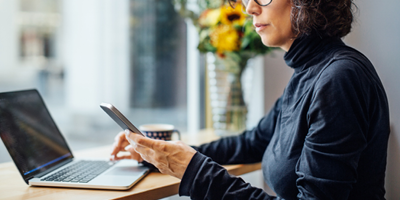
pixel 233 16
pixel 225 38
pixel 210 17
pixel 227 32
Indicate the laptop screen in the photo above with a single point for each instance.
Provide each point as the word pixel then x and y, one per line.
pixel 30 134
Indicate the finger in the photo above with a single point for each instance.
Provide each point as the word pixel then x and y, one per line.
pixel 143 151
pixel 140 140
pixel 119 143
pixel 134 155
pixel 119 139
pixel 117 147
pixel 121 157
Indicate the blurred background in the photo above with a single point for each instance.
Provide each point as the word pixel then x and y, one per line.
pixel 79 54
pixel 141 56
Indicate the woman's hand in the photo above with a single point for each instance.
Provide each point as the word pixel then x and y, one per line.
pixel 170 157
pixel 122 145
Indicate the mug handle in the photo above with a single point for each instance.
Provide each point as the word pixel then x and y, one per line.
pixel 179 133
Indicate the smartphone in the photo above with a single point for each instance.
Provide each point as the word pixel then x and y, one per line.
pixel 119 118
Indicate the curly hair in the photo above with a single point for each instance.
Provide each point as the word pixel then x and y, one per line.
pixel 331 18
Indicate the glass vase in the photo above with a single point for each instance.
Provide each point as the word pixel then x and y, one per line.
pixel 228 108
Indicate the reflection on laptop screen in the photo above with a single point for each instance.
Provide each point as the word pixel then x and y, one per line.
pixel 29 133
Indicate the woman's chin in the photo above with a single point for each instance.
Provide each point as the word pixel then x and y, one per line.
pixel 272 43
pixel 268 43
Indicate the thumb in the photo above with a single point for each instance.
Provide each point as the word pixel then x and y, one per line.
pixel 136 139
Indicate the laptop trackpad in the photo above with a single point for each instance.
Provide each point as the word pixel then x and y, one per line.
pixel 126 171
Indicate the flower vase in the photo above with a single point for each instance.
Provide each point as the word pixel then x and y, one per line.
pixel 228 108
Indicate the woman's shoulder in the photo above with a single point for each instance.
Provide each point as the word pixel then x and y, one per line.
pixel 348 68
pixel 348 62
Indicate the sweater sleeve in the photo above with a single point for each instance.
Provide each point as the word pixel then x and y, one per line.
pixel 248 147
pixel 205 179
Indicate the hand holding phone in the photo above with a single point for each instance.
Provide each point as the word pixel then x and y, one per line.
pixel 119 118
pixel 124 123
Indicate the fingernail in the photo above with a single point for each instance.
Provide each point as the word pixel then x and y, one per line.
pixel 127 132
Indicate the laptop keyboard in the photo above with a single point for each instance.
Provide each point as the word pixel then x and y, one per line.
pixel 80 172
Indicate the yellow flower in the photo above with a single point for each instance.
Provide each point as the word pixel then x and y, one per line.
pixel 210 17
pixel 233 16
pixel 225 38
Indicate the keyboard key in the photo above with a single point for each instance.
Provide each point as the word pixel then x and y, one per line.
pixel 82 171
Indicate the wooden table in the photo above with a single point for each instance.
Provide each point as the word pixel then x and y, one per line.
pixel 153 186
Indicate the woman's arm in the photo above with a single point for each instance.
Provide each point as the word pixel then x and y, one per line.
pixel 248 147
pixel 201 177
pixel 205 179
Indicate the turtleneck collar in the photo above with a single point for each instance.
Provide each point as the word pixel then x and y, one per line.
pixel 306 48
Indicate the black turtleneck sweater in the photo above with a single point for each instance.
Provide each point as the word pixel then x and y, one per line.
pixel 325 138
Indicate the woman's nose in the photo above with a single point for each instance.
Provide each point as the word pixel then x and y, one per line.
pixel 252 8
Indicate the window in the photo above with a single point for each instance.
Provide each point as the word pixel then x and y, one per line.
pixel 78 54
pixel 158 62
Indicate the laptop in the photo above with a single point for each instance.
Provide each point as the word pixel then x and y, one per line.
pixel 43 156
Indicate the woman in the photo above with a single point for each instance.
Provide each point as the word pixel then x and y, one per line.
pixel 326 136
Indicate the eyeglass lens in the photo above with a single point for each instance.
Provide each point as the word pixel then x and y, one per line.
pixel 259 2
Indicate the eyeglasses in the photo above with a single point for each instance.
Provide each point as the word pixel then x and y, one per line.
pixel 246 2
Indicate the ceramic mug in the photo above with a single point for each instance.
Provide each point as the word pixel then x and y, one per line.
pixel 159 131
